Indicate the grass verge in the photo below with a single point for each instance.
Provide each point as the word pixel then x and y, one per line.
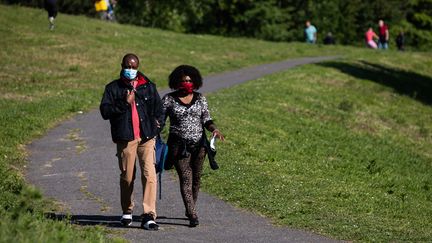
pixel 342 148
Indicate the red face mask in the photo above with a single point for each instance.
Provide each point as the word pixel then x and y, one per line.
pixel 187 87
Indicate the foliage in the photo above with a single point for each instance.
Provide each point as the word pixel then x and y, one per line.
pixel 283 20
pixel 66 6
pixel 418 24
pixel 275 20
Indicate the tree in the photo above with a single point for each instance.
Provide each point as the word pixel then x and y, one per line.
pixel 276 20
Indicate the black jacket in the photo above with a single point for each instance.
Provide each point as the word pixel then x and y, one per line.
pixel 115 108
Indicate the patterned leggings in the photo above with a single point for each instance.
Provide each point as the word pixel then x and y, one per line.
pixel 189 171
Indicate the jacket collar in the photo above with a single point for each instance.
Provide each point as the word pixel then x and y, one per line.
pixel 140 78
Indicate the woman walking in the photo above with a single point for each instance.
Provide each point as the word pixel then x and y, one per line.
pixel 189 115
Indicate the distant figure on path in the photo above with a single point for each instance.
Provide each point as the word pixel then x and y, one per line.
pixel 134 109
pixel 370 35
pixel 51 8
pixel 400 41
pixel 189 115
pixel 383 35
pixel 310 33
pixel 329 40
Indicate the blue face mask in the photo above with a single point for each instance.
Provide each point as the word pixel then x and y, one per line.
pixel 130 73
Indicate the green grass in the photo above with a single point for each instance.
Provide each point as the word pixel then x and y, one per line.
pixel 337 148
pixel 47 76
pixel 341 148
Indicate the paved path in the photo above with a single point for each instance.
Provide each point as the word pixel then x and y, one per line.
pixel 75 164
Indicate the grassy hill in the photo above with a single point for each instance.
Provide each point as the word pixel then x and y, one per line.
pixel 343 149
pixel 338 148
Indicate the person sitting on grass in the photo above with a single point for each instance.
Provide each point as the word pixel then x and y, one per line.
pixel 370 35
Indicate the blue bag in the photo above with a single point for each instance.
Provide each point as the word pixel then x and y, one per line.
pixel 161 154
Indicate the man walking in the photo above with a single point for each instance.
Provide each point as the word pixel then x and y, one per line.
pixel 133 106
pixel 310 33
pixel 383 35
pixel 51 8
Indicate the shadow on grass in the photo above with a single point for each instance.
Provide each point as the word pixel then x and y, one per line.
pixel 112 221
pixel 414 85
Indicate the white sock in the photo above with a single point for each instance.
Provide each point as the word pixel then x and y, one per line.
pixel 127 216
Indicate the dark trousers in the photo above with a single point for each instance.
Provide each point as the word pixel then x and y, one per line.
pixel 188 160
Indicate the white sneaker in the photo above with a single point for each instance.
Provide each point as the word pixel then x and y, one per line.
pixel 126 220
pixel 148 222
pixel 150 225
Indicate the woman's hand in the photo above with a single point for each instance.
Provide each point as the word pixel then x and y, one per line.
pixel 216 133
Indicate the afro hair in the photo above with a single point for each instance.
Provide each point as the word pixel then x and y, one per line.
pixel 176 77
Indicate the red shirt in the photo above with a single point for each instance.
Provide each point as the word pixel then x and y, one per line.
pixel 135 117
pixel 383 29
pixel 369 35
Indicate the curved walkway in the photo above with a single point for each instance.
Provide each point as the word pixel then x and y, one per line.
pixel 75 164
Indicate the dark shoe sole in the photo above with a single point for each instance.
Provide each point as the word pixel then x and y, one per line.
pixel 126 222
pixel 153 227
pixel 193 223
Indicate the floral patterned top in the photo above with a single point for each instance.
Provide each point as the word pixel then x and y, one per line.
pixel 187 120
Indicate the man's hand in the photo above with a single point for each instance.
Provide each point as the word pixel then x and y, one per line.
pixel 130 96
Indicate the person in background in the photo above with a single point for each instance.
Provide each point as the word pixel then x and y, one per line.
pixel 51 8
pixel 400 41
pixel 189 116
pixel 101 7
pixel 110 12
pixel 134 109
pixel 329 40
pixel 370 35
pixel 310 33
pixel 383 35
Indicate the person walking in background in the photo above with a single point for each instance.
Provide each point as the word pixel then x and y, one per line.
pixel 370 35
pixel 400 41
pixel 101 7
pixel 110 11
pixel 51 8
pixel 383 35
pixel 189 115
pixel 329 40
pixel 134 109
pixel 310 33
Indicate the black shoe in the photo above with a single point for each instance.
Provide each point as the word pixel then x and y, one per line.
pixel 193 222
pixel 148 222
pixel 126 219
